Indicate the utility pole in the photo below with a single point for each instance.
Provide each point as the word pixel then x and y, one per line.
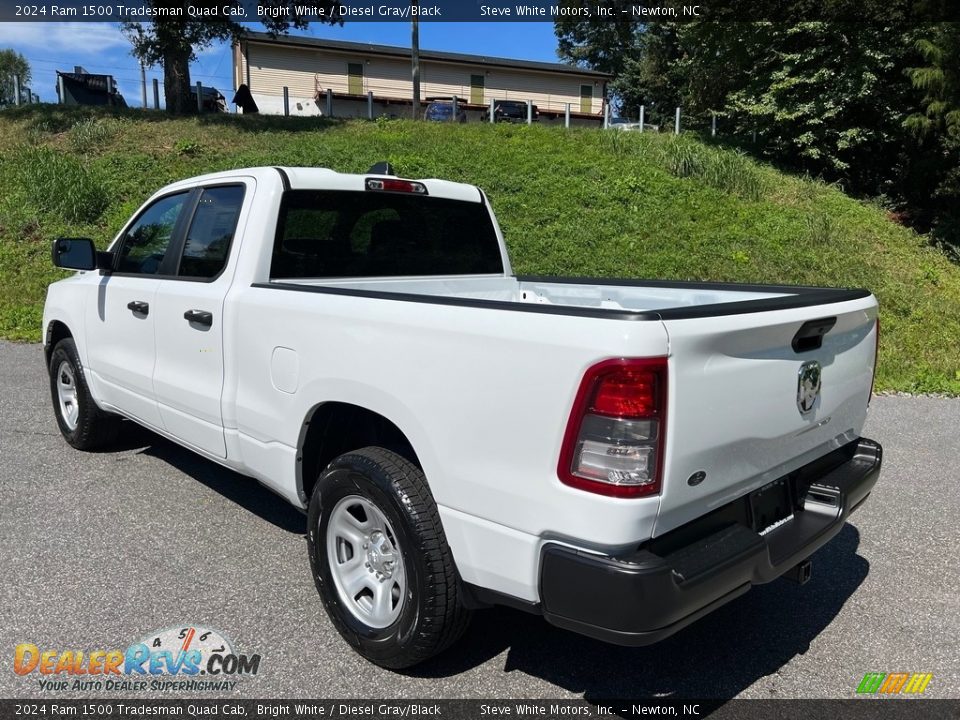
pixel 415 57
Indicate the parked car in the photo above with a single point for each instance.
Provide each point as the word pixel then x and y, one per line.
pixel 439 111
pixel 514 111
pixel 619 456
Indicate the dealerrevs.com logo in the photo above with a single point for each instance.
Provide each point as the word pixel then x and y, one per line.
pixel 190 658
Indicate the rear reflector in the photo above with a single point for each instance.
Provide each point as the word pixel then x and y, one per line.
pixel 392 185
pixel 614 440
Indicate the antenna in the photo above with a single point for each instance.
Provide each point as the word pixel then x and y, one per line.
pixel 382 168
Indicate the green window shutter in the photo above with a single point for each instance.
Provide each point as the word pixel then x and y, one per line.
pixel 355 78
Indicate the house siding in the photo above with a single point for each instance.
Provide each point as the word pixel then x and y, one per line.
pixel 309 71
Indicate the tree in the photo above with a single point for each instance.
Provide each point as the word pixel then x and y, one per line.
pixel 829 98
pixel 12 63
pixel 173 37
pixel 936 126
pixel 603 45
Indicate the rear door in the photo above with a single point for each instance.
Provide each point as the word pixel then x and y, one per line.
pixel 188 376
pixel 744 404
pixel 121 324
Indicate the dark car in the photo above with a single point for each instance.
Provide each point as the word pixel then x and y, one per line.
pixel 443 112
pixel 514 111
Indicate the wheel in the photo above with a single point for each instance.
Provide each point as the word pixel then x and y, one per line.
pixel 380 559
pixel 82 423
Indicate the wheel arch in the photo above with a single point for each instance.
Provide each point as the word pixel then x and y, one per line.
pixel 333 428
pixel 56 331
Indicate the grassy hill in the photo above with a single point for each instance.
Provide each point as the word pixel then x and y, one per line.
pixel 578 202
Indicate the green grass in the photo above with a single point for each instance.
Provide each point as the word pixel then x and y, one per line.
pixel 578 202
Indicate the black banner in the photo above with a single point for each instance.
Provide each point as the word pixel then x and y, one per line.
pixel 649 11
pixel 858 709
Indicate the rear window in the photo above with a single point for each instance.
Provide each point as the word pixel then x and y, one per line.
pixel 328 234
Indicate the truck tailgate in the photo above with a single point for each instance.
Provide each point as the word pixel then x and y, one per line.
pixel 736 420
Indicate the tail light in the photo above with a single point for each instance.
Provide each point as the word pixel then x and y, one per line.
pixel 615 436
pixel 876 358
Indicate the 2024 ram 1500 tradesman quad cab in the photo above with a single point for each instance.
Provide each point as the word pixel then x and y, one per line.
pixel 621 457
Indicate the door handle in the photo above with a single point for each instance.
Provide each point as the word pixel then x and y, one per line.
pixel 139 307
pixel 201 317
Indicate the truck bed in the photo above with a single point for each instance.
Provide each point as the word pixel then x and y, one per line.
pixel 603 297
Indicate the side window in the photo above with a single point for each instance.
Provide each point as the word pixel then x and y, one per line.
pixel 211 231
pixel 145 243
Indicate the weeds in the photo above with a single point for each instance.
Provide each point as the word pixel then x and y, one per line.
pixel 57 183
pixel 91 134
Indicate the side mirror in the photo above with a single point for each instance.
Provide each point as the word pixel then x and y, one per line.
pixel 79 254
pixel 74 254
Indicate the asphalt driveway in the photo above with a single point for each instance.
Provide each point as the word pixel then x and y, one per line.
pixel 101 549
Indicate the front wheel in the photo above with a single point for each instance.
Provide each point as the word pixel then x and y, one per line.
pixel 380 559
pixel 82 423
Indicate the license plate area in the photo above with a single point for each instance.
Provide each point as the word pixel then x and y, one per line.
pixel 771 506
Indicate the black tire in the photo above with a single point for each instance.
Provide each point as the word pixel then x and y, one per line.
pixel 92 427
pixel 432 616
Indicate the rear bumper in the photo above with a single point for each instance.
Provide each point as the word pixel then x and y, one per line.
pixel 678 578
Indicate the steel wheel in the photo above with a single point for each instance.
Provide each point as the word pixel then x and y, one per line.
pixel 67 395
pixel 366 562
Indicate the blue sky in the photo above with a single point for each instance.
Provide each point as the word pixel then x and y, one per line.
pixel 102 48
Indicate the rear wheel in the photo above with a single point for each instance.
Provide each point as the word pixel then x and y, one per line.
pixel 380 559
pixel 82 423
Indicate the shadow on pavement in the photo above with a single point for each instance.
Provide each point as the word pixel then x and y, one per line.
pixel 240 489
pixel 716 657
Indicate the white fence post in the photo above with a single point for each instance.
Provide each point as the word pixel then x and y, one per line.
pixel 676 123
pixel 643 112
pixel 61 89
pixel 493 104
pixel 369 104
pixel 606 114
pixel 16 89
pixel 713 125
pixel 156 94
pixel 329 102
pixel 286 101
pixel 199 97
pixel 529 112
pixel 566 116
pixel 453 114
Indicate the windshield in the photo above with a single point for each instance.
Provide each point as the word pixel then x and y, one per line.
pixel 439 111
pixel 325 234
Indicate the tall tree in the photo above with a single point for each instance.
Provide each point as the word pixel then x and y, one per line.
pixel 828 97
pixel 936 126
pixel 174 36
pixel 12 63
pixel 602 45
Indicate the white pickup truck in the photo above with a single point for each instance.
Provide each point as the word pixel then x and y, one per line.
pixel 621 457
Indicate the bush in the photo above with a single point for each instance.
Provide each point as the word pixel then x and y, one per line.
pixel 53 182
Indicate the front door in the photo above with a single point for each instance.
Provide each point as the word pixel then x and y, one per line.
pixel 121 323
pixel 586 98
pixel 476 89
